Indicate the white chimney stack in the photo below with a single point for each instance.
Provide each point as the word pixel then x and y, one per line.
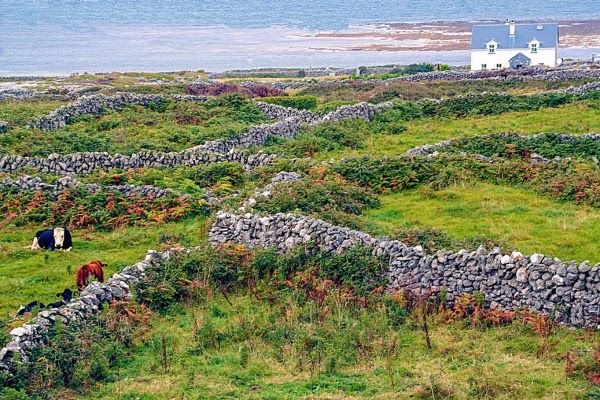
pixel 512 27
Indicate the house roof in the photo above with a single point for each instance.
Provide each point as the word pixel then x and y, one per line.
pixel 524 33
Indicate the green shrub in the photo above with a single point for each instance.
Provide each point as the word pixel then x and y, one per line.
pixel 306 102
pixel 317 196
pixel 320 138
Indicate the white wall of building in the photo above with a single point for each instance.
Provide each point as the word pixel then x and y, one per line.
pixel 547 57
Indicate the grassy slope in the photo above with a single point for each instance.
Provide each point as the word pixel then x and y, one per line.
pixel 573 118
pixel 519 218
pixel 464 362
pixel 37 275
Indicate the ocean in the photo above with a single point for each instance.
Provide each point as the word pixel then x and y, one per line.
pixel 65 36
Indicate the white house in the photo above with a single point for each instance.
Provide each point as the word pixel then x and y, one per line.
pixel 512 45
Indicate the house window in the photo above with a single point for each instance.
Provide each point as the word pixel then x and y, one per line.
pixel 534 47
pixel 491 48
pixel 498 65
pixel 483 66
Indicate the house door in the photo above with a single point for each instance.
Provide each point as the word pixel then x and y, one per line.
pixel 520 61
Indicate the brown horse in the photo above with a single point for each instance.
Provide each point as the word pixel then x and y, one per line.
pixel 93 268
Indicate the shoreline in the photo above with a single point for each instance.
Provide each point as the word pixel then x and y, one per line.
pixel 220 48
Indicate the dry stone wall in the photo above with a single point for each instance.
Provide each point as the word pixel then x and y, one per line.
pixel 209 152
pixel 430 149
pixel 33 183
pixel 560 74
pixel 566 291
pixel 35 333
pixel 97 103
pixel 85 163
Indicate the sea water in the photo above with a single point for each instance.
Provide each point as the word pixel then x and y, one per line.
pixel 64 36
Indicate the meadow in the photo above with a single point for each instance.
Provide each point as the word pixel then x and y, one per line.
pixel 233 322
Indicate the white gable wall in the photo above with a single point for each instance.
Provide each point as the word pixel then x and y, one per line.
pixel 547 57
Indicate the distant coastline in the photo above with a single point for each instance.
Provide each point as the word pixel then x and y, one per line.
pixel 48 50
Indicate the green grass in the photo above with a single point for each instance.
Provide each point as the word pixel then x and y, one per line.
pixel 577 118
pixel 29 275
pixel 464 362
pixel 20 112
pixel 519 218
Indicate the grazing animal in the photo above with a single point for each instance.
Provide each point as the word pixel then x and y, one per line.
pixel 53 239
pixel 27 309
pixel 93 268
pixel 66 295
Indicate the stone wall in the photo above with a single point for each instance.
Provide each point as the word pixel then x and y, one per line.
pixel 97 103
pixel 279 113
pixel 429 149
pixel 566 291
pixel 559 74
pixel 209 152
pixel 35 333
pixel 34 183
pixel 84 163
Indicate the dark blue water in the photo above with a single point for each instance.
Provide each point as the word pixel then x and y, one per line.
pixel 61 36
pixel 312 14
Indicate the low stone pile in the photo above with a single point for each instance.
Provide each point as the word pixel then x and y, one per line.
pixel 35 333
pixel 566 291
pixel 16 94
pixel 583 89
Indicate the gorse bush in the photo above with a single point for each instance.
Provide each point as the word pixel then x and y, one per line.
pixel 489 104
pixel 571 181
pixel 192 180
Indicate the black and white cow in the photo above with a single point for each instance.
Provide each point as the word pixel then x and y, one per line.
pixel 53 239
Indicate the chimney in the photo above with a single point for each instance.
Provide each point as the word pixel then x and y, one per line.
pixel 512 27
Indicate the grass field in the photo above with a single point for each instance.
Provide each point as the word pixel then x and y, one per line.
pixel 374 359
pixel 521 219
pixel 38 275
pixel 226 326
pixel 582 117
